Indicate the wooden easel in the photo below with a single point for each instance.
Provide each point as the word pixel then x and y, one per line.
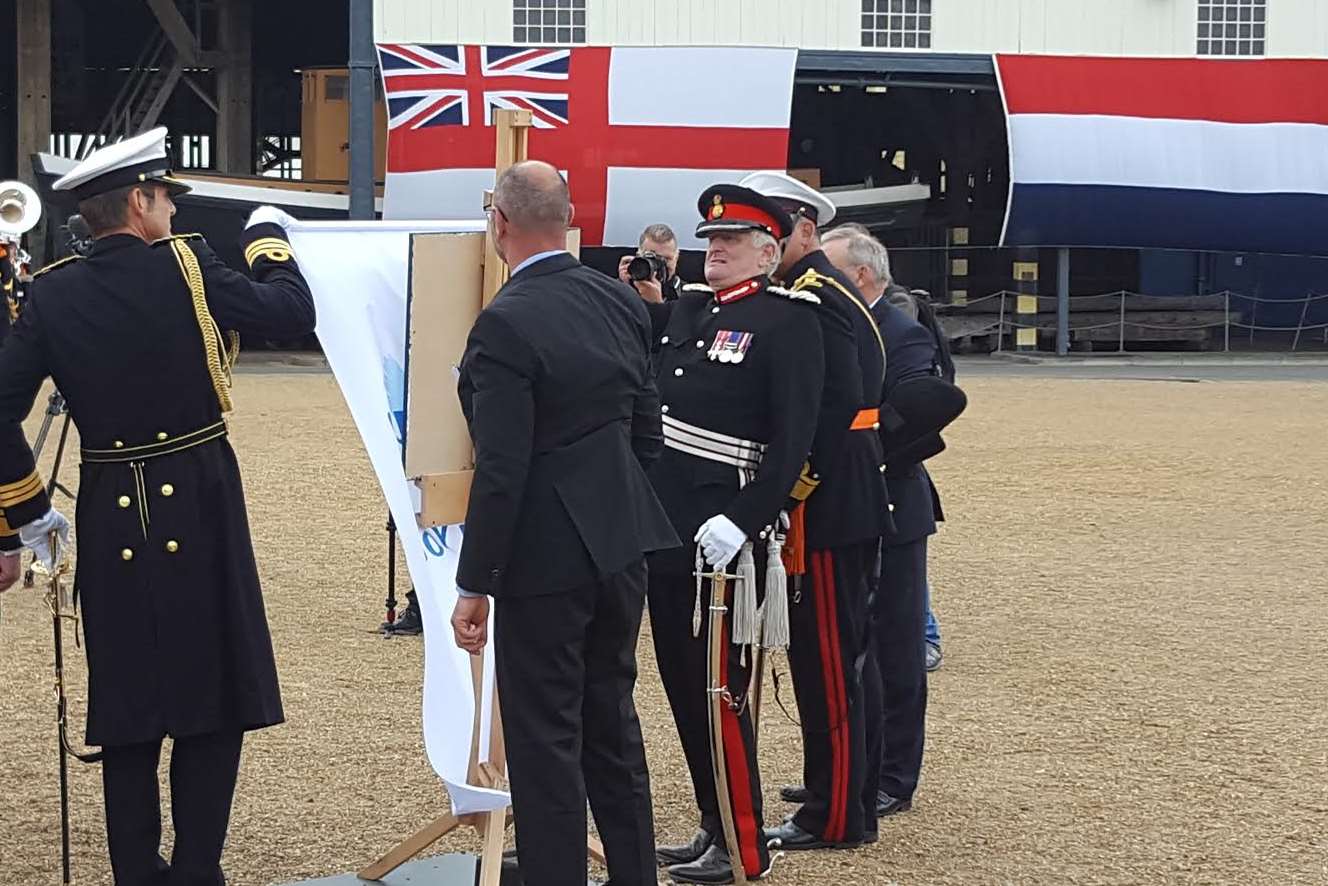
pixel 513 129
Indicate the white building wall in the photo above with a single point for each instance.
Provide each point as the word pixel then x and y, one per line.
pixel 1296 28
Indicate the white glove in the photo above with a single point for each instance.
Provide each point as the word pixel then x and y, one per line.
pixel 720 540
pixel 36 536
pixel 270 215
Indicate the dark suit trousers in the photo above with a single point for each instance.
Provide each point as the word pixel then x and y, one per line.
pixel 203 772
pixel 827 654
pixel 566 673
pixel 901 622
pixel 872 707
pixel 683 668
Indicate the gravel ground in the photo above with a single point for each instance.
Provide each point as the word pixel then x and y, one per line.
pixel 1130 588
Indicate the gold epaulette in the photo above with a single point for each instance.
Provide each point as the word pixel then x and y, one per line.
pixel 56 264
pixel 794 294
pixel 697 287
pixel 173 237
pixel 813 278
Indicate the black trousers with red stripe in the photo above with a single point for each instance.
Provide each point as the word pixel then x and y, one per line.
pixel 827 653
pixel 682 660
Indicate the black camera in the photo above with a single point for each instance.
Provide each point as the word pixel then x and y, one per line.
pixel 647 265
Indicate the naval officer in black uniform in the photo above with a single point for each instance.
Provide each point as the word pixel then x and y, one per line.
pixel 740 371
pixel 556 388
pixel 845 516
pixel 139 337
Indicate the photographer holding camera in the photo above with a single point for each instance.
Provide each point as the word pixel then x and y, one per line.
pixel 653 271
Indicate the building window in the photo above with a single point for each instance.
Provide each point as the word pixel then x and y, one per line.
pixel 553 22
pixel 896 24
pixel 1232 27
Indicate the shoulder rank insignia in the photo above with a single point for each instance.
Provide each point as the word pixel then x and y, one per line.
pixel 811 279
pixel 173 237
pixel 53 265
pixel 794 294
pixel 698 287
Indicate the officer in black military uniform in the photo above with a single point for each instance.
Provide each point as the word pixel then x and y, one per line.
pixel 740 370
pixel 139 337
pixel 845 516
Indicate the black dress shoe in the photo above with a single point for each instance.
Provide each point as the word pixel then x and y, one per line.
pixel 408 623
pixel 794 793
pixel 712 867
pixel 788 836
pixel 888 805
pixel 686 853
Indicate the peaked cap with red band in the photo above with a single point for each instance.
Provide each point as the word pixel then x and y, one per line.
pixel 735 208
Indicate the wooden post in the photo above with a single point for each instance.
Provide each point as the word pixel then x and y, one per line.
pixel 513 144
pixel 1026 304
pixel 958 266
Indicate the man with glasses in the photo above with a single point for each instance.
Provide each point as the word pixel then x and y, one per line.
pixel 556 388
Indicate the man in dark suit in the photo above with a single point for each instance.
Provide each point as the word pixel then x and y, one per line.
pixel 139 338
pixel 845 515
pixel 900 601
pixel 557 390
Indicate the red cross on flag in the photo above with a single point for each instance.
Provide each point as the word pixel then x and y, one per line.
pixel 639 132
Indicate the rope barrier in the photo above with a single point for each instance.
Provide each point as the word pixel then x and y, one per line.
pixel 1124 293
pixel 1014 324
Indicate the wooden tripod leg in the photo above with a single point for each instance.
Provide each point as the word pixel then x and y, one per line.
pixel 495 834
pixel 411 847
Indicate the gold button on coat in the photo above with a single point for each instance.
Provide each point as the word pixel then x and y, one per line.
pixel 123 501
pixel 162 435
pixel 167 490
pixel 126 554
pixel 118 444
pixel 172 546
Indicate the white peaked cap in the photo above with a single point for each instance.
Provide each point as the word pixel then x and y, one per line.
pixel 131 161
pixel 794 195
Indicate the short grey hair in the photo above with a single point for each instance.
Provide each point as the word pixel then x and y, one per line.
pixel 657 233
pixel 760 239
pixel 533 195
pixel 863 249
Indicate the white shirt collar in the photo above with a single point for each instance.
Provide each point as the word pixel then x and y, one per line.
pixel 539 256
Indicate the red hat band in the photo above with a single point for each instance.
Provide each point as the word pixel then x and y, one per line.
pixel 743 212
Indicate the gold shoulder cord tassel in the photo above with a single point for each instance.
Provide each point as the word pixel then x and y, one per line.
pixel 219 360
